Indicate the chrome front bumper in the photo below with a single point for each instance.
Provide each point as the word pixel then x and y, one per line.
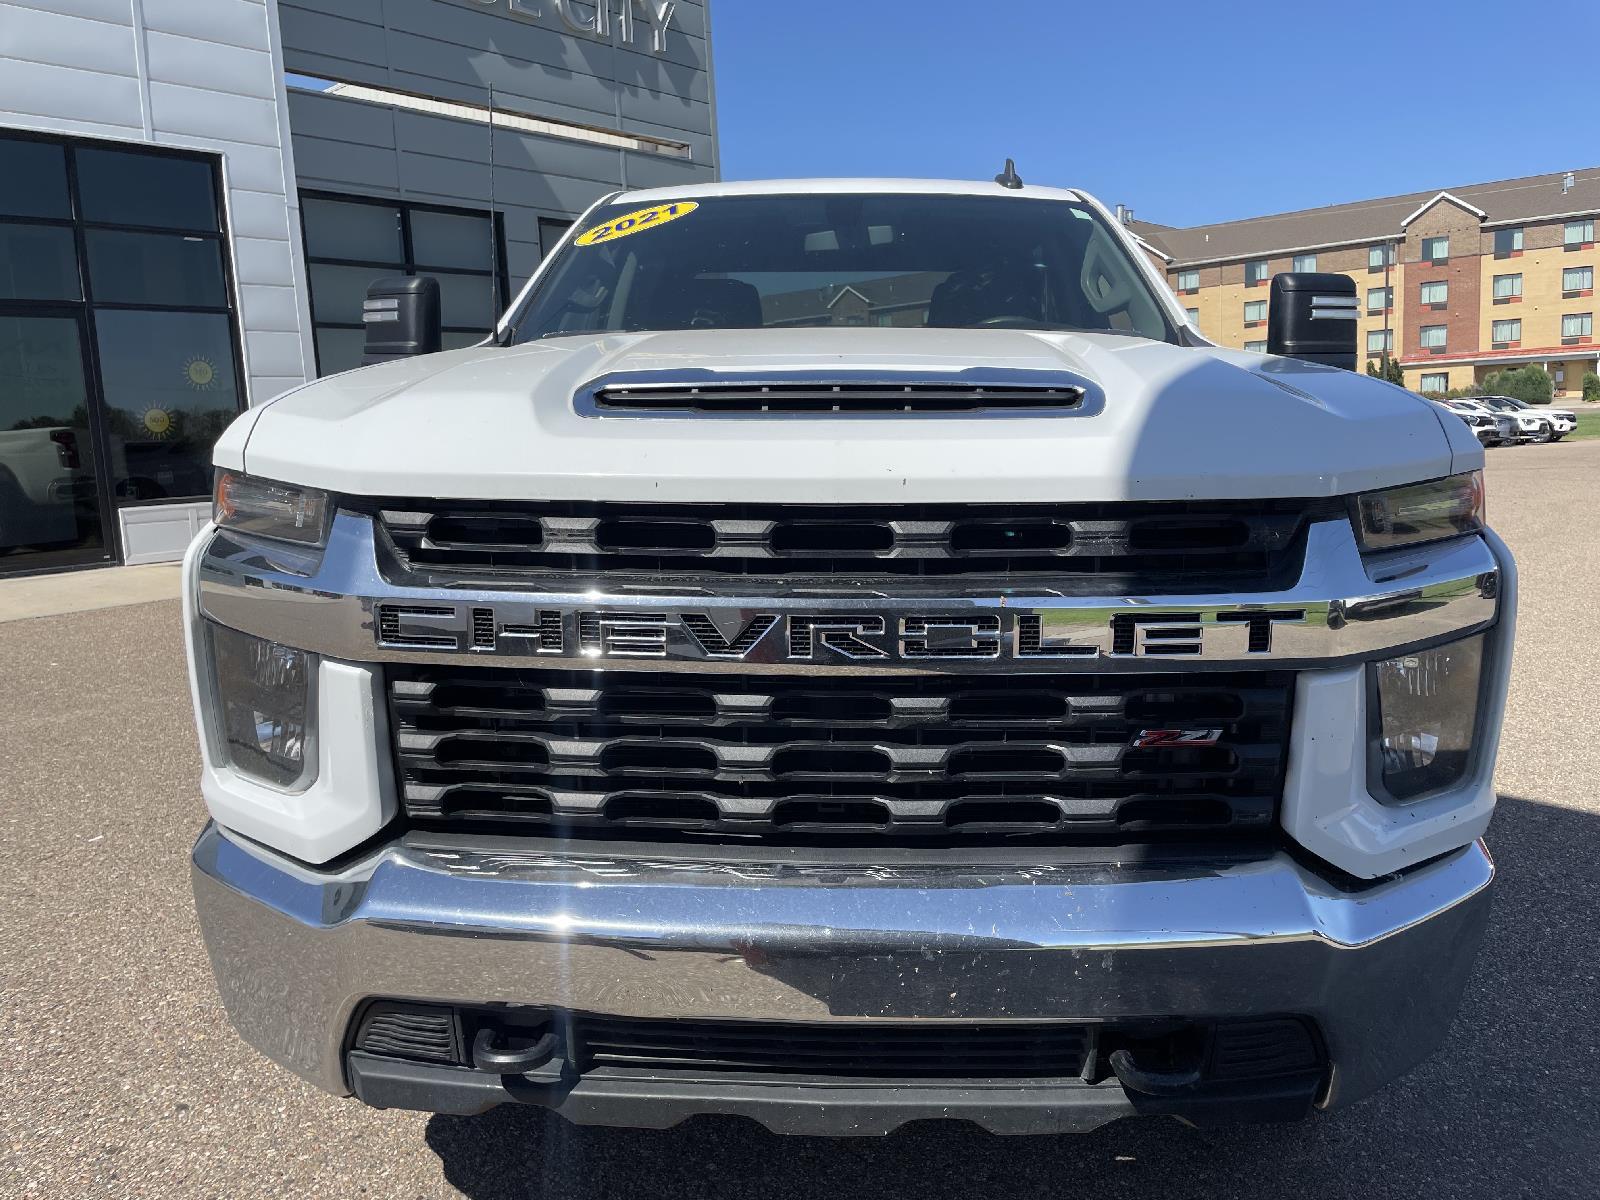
pixel 1380 970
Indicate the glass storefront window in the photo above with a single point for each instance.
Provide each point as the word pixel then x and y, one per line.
pixel 118 345
pixel 38 262
pixel 466 301
pixel 368 232
pixel 136 187
pixel 341 349
pixel 170 391
pixel 49 511
pixel 155 268
pixel 339 291
pixel 33 179
pixel 450 240
pixel 350 243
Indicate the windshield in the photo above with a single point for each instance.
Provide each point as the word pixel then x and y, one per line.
pixel 1500 403
pixel 792 261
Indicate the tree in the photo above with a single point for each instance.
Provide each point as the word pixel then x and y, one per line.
pixel 1591 386
pixel 1386 368
pixel 1531 385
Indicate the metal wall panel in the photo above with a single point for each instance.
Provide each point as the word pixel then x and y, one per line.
pixel 197 74
pixel 456 50
pixel 202 75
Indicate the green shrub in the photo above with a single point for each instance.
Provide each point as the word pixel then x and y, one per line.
pixel 1531 385
pixel 1591 386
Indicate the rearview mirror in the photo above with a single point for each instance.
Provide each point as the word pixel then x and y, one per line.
pixel 1313 316
pixel 401 315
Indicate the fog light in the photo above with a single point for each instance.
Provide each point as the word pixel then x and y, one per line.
pixel 1427 708
pixel 264 709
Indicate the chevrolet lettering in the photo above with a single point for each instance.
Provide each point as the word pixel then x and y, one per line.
pixel 833 658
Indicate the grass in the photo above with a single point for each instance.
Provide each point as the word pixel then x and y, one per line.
pixel 1588 426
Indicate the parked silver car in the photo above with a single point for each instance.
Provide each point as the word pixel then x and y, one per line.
pixel 1490 427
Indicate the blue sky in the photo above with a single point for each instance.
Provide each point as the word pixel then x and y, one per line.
pixel 1189 112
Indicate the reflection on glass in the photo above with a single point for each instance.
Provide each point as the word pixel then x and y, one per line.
pixel 48 510
pixel 369 232
pixel 33 179
pixel 465 301
pixel 38 262
pixel 129 187
pixel 340 349
pixel 450 240
pixel 155 268
pixel 337 292
pixel 170 390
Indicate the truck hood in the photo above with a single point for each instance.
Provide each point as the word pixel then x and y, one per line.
pixel 1175 423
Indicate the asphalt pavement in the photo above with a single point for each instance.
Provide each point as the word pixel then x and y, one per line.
pixel 122 1077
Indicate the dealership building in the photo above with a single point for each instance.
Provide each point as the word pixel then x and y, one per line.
pixel 195 195
pixel 1454 284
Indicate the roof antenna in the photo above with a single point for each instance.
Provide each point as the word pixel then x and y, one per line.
pixel 1009 177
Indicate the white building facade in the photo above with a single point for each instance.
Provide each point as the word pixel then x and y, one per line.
pixel 194 195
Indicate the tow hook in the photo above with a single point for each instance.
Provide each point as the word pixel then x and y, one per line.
pixel 1146 1082
pixel 489 1055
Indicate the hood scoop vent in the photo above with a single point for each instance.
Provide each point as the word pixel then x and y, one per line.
pixel 720 396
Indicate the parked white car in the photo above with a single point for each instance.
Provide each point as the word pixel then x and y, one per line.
pixel 1562 421
pixel 1489 427
pixel 1532 425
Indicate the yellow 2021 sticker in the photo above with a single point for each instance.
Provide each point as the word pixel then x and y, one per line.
pixel 637 221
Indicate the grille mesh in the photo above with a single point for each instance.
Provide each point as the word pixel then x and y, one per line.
pixel 792 758
pixel 937 1050
pixel 1182 547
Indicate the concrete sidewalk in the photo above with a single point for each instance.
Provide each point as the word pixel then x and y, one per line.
pixel 81 591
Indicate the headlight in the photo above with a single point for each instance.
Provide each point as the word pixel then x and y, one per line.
pixel 1420 512
pixel 1427 710
pixel 267 509
pixel 264 707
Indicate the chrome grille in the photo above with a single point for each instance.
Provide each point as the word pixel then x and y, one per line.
pixel 1181 546
pixel 880 759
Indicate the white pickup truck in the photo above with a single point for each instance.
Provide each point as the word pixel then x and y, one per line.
pixel 846 652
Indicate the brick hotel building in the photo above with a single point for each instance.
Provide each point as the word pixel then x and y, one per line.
pixel 1454 284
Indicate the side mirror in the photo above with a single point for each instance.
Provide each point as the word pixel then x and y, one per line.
pixel 1313 316
pixel 401 315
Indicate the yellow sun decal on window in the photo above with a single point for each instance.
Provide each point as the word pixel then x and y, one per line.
pixel 201 372
pixel 157 421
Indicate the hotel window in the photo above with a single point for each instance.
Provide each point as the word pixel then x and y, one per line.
pixel 1504 333
pixel 1379 257
pixel 1305 262
pixel 1188 281
pixel 1431 337
pixel 1575 280
pixel 1507 242
pixel 1507 287
pixel 1379 299
pixel 1439 382
pixel 1380 341
pixel 1255 311
pixel 1579 233
pixel 1255 272
pixel 1575 326
pixel 1437 292
pixel 1256 347
pixel 350 242
pixel 1194 316
pixel 1435 249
